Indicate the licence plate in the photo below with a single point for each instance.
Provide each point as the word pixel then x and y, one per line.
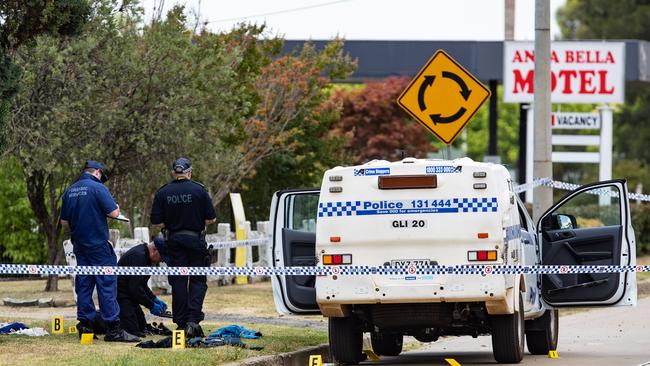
pixel 409 262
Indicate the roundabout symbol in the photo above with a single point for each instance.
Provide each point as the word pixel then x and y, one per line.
pixel 443 97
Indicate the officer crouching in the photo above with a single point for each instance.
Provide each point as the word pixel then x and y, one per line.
pixel 183 208
pixel 133 291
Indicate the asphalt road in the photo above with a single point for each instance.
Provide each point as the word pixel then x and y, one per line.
pixel 600 337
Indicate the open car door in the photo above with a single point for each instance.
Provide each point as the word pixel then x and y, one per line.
pixel 589 226
pixel 293 220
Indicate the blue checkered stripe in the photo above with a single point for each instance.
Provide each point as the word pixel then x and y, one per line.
pixel 329 209
pixel 483 204
pixel 24 269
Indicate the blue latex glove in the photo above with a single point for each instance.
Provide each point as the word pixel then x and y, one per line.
pixel 157 309
pixel 158 300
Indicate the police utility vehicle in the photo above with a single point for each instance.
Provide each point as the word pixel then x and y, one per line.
pixel 418 212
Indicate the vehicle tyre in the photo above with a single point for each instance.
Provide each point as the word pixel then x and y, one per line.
pixel 542 333
pixel 386 344
pixel 508 335
pixel 346 340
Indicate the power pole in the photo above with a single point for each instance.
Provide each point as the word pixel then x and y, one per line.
pixel 542 163
pixel 509 17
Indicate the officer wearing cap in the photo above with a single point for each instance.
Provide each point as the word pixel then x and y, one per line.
pixel 133 291
pixel 183 208
pixel 84 208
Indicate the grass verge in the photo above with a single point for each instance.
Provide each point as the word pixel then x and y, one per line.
pixel 66 350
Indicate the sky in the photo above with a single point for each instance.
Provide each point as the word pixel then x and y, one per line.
pixel 370 19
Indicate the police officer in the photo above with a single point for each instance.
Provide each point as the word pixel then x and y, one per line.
pixel 133 291
pixel 85 206
pixel 183 208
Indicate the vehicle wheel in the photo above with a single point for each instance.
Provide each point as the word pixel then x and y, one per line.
pixel 508 335
pixel 542 333
pixel 386 344
pixel 346 340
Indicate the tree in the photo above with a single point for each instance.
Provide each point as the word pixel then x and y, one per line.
pixel 603 19
pixel 20 22
pixel 137 96
pixel 374 126
pixel 20 238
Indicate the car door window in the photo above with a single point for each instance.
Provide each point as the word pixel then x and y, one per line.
pixel 598 207
pixel 304 208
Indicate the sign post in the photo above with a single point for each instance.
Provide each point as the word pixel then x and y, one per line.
pixel 443 97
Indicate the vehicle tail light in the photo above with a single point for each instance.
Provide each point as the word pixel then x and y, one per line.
pixel 483 235
pixel 481 255
pixel 335 239
pixel 335 259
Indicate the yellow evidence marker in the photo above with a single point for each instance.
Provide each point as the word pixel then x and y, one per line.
pixel 315 360
pixel 178 339
pixel 72 330
pixel 553 354
pixel 452 362
pixel 87 338
pixel 57 325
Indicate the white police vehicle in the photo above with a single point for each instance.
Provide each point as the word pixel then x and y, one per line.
pixel 423 212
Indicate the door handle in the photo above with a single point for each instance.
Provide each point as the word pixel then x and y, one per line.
pixel 562 235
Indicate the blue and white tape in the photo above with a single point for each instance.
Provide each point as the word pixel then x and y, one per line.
pixel 25 269
pixel 572 187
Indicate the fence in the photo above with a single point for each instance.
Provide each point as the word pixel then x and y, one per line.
pixel 221 246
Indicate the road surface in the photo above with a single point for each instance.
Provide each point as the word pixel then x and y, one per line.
pixel 600 337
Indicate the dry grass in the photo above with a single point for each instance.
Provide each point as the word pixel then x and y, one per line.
pixel 254 299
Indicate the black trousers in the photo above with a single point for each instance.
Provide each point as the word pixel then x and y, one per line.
pixel 131 316
pixel 188 292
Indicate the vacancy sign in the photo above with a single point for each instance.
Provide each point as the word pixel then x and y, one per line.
pixel 581 72
pixel 575 121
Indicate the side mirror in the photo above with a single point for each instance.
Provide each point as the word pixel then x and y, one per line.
pixel 566 222
pixel 559 221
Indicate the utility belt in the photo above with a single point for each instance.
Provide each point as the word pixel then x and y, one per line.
pixel 197 234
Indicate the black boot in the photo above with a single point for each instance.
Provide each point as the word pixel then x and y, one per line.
pixel 193 330
pixel 115 333
pixel 84 327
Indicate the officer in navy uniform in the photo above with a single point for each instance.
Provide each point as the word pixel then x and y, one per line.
pixel 133 291
pixel 85 206
pixel 183 208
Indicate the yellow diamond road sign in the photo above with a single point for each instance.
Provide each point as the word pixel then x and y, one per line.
pixel 443 97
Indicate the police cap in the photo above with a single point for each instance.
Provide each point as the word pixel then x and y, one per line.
pixel 182 166
pixel 96 165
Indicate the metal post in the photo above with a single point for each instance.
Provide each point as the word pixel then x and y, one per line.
pixel 530 141
pixel 606 128
pixel 521 162
pixel 543 167
pixel 493 137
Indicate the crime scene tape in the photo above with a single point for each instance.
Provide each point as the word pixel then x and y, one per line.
pixel 315 271
pixel 537 182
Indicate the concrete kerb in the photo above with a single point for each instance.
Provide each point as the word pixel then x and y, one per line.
pixel 295 358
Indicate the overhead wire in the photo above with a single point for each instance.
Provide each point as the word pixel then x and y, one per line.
pixel 277 12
